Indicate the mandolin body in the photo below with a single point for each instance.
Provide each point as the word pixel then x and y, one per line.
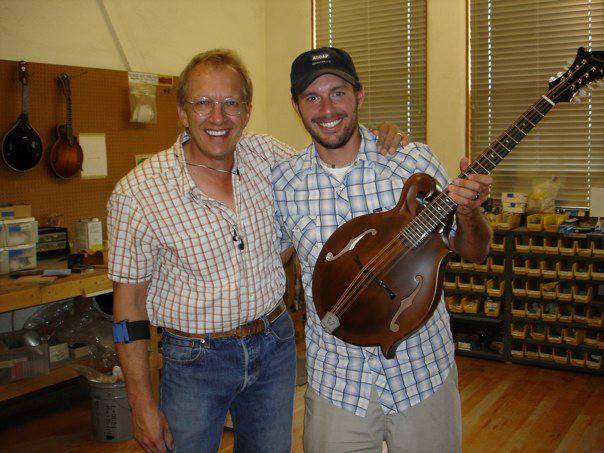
pixel 22 147
pixel 394 288
pixel 65 156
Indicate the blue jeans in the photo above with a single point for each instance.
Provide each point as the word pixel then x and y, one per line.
pixel 254 377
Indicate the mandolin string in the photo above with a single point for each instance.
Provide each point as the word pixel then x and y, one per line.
pixel 355 287
pixel 362 280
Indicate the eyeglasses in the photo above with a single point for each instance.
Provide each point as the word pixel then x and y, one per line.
pixel 205 106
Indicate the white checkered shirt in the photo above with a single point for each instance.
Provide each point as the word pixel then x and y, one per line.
pixel 163 229
pixel 310 205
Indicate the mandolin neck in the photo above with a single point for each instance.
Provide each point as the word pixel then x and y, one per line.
pixel 441 207
pixel 68 126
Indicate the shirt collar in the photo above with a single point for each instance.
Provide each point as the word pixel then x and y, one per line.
pixel 184 182
pixel 368 155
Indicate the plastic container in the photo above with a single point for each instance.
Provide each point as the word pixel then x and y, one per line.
pixel 3 261
pixel 111 413
pixel 19 232
pixel 23 362
pixel 21 257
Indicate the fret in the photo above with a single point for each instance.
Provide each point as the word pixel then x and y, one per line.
pixel 506 148
pixel 477 162
pixel 490 161
pixel 542 115
pixel 515 142
pixel 521 131
pixel 526 118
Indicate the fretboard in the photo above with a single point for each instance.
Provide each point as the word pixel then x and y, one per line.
pixel 441 207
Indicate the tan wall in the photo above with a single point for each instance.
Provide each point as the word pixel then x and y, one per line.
pixel 288 34
pixel 446 83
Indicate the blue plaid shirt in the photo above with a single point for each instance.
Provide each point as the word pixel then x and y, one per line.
pixel 310 205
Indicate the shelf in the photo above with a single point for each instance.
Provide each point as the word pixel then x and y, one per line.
pixel 544 256
pixel 480 355
pixel 581 347
pixel 525 231
pixel 555 323
pixel 469 292
pixel 472 323
pixel 593 303
pixel 475 318
pixel 553 365
pixel 15 295
pixel 58 373
pixel 573 280
pixel 475 272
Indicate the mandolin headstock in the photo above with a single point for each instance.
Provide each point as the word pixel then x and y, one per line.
pixel 23 75
pixel 586 70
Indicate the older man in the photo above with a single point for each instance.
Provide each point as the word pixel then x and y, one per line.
pixel 193 249
pixel 357 398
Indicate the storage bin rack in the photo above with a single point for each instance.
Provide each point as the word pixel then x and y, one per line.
pixel 568 335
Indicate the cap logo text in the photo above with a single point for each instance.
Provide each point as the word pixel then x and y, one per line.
pixel 321 56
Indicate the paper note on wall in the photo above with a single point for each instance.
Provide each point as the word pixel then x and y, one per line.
pixel 95 156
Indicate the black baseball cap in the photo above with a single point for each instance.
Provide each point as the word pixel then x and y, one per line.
pixel 325 60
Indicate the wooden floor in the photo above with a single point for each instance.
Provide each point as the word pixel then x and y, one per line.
pixel 505 408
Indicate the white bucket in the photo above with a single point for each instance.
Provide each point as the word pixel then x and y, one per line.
pixel 111 414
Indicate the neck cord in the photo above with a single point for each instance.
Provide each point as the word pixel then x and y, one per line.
pixel 236 172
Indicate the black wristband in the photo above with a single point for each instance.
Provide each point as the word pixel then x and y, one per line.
pixel 127 332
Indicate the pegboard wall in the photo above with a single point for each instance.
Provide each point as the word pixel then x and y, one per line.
pixel 100 105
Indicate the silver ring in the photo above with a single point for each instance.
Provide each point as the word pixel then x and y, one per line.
pixel 476 197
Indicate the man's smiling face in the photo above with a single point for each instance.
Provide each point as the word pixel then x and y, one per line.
pixel 329 110
pixel 214 136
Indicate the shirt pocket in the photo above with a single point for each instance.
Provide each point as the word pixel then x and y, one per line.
pixel 199 255
pixel 305 235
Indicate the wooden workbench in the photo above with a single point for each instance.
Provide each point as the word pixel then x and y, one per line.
pixel 15 295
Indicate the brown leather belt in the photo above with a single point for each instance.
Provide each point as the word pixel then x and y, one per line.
pixel 250 328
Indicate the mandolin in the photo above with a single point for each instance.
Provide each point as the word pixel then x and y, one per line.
pixel 379 276
pixel 22 146
pixel 66 154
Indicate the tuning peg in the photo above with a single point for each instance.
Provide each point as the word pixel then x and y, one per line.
pixel 575 99
pixel 559 74
pixel 552 78
pixel 582 92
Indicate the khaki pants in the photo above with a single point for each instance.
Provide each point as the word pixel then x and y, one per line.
pixel 434 425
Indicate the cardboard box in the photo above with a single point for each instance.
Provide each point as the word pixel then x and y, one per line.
pixel 77 352
pixel 88 234
pixel 15 211
pixel 58 353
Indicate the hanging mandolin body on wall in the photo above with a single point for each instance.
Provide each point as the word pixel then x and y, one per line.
pixel 66 155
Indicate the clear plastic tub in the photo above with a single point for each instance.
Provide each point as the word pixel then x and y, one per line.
pixel 3 261
pixel 23 362
pixel 20 232
pixel 21 257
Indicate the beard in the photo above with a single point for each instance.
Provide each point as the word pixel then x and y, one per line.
pixel 341 139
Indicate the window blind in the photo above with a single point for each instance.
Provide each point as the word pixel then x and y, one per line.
pixel 387 42
pixel 515 47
